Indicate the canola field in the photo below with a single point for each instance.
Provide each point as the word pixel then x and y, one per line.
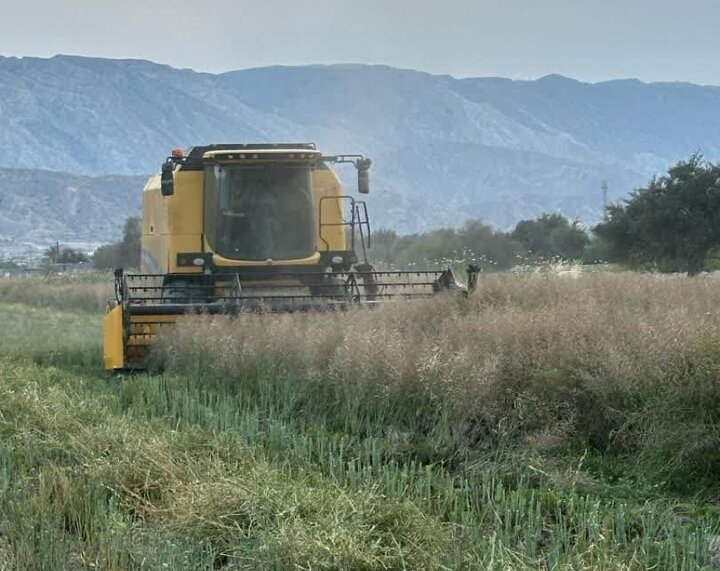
pixel 547 422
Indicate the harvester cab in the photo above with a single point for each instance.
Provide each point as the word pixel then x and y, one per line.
pixel 234 228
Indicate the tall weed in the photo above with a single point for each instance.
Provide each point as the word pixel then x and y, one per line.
pixel 85 293
pixel 610 363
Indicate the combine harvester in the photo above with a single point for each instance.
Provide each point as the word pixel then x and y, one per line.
pixel 234 228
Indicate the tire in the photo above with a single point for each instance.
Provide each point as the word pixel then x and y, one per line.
pixel 178 292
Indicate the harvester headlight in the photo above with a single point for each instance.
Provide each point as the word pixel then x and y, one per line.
pixel 337 260
pixel 198 262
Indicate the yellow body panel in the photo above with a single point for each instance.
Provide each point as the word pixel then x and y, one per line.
pixel 171 224
pixel 113 353
pixel 326 185
pixel 174 224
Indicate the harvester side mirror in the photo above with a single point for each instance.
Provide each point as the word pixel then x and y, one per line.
pixel 363 167
pixel 167 182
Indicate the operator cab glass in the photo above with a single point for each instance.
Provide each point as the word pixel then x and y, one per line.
pixel 259 212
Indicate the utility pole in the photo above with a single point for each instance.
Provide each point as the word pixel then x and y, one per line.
pixel 604 187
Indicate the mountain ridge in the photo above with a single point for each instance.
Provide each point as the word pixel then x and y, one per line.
pixel 445 149
pixel 41 207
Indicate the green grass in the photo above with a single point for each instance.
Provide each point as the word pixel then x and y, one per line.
pixel 81 293
pixel 284 455
pixel 49 336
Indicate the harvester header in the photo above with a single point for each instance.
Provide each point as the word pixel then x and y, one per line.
pixel 233 228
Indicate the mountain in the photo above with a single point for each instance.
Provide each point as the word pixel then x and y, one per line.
pixel 39 208
pixel 444 149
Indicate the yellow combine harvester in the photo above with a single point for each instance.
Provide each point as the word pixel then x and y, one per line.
pixel 233 228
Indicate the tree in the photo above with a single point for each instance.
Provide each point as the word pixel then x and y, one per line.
pixel 489 247
pixel 6 264
pixel 131 242
pixel 475 242
pixel 552 236
pixel 123 254
pixel 672 223
pixel 385 247
pixel 63 255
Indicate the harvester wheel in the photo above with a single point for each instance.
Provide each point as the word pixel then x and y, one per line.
pixel 177 292
pixel 331 287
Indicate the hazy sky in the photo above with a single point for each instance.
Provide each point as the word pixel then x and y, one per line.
pixel 587 39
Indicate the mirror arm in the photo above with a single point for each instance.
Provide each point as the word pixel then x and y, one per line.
pixel 362 165
pixel 354 159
